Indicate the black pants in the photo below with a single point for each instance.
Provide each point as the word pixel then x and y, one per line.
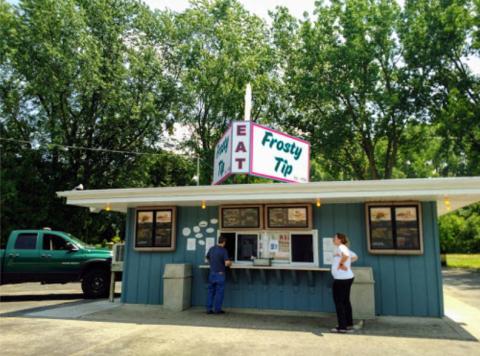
pixel 341 297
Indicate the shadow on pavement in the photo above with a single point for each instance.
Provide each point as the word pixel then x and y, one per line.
pixel 39 297
pixel 20 305
pixel 466 278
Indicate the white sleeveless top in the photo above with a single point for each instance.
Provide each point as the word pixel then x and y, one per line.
pixel 338 273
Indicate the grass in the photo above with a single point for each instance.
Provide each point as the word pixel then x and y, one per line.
pixel 464 260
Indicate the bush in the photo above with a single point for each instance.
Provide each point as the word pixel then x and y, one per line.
pixel 460 231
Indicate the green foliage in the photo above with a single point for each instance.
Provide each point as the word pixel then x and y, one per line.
pixel 116 239
pixel 460 231
pixel 221 48
pixel 437 36
pixel 470 260
pixel 380 91
pixel 349 89
pixel 84 74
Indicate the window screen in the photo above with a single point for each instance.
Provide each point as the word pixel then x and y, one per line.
pixel 26 242
pixel 247 246
pixel 302 248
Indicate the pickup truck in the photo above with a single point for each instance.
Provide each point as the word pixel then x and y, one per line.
pixel 48 256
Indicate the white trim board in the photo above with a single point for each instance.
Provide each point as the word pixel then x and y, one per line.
pixel 460 191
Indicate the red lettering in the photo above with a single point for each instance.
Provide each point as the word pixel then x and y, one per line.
pixel 240 162
pixel 241 130
pixel 240 147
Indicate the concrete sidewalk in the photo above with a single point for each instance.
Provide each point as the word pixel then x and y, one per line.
pixel 461 295
pixel 463 314
pixel 150 330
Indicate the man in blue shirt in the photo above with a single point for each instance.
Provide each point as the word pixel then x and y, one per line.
pixel 218 259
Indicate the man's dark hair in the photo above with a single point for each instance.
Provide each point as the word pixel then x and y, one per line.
pixel 222 239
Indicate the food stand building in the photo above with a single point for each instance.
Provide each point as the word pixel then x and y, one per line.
pixel 392 226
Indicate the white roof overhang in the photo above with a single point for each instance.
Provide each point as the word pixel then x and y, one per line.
pixel 460 192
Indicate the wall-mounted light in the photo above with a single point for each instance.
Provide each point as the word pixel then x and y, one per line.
pixel 448 206
pixel 204 205
pixel 108 207
pixel 319 203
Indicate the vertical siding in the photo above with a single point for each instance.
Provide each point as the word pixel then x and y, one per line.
pixel 405 285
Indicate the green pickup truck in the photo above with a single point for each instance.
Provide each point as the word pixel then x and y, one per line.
pixel 48 256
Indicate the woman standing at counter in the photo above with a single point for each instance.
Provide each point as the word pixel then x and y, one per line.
pixel 343 279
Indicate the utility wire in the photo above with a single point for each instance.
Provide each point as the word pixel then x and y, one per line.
pixel 82 148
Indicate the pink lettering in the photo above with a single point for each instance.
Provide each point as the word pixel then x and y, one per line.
pixel 240 147
pixel 241 130
pixel 240 162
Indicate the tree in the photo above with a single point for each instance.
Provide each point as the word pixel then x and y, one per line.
pixel 348 87
pixel 74 74
pixel 460 230
pixel 222 48
pixel 438 37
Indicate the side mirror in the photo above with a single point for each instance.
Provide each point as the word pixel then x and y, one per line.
pixel 71 247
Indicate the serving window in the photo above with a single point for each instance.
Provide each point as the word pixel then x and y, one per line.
pixel 241 247
pixel 394 228
pixel 282 247
pixel 155 229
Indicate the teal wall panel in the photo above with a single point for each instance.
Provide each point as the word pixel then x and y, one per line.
pixel 404 285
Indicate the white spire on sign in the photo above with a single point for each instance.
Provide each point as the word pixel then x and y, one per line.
pixel 248 102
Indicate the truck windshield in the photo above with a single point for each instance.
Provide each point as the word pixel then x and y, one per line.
pixel 78 242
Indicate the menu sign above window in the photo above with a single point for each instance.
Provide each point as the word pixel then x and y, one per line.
pixel 288 217
pixel 241 217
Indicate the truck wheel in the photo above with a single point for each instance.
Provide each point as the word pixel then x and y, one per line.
pixel 95 283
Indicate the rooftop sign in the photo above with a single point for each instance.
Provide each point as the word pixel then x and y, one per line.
pixel 223 158
pixel 257 150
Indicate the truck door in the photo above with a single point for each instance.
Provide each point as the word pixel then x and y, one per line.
pixel 23 258
pixel 58 262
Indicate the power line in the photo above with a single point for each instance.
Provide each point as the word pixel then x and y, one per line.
pixel 67 147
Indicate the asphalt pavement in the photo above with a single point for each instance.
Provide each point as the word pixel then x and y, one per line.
pixel 463 284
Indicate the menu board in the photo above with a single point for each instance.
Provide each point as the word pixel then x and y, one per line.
pixel 163 228
pixel 381 236
pixel 144 228
pixel 241 217
pixel 164 217
pixel 155 228
pixel 406 222
pixel 394 227
pixel 282 217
